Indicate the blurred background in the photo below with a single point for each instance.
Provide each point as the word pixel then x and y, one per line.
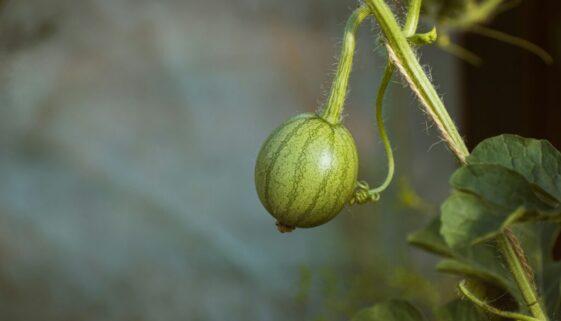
pixel 129 131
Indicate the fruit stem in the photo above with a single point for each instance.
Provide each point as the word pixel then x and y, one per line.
pixel 334 106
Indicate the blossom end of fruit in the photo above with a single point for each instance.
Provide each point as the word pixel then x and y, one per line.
pixel 284 228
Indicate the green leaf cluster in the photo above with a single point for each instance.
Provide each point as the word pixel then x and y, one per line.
pixel 508 182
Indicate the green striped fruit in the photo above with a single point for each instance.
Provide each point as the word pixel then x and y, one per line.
pixel 306 171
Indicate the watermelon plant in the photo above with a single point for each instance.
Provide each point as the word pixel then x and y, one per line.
pixel 499 229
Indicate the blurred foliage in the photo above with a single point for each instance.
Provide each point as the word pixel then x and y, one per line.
pixel 453 17
pixel 328 294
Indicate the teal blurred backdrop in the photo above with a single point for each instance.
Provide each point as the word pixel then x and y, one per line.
pixel 128 135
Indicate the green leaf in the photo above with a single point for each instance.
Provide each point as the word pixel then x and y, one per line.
pixel 508 179
pixel 471 269
pixel 537 160
pixel 499 186
pixel 537 241
pixel 468 219
pixel 490 198
pixel 393 310
pixel 459 310
pixel 478 261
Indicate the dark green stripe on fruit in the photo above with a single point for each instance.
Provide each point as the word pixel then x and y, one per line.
pixel 299 169
pixel 280 148
pixel 326 180
pixel 340 184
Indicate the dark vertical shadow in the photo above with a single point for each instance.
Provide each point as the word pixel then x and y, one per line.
pixel 514 91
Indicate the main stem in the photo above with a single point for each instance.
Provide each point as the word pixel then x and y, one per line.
pixel 404 58
pixel 514 257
